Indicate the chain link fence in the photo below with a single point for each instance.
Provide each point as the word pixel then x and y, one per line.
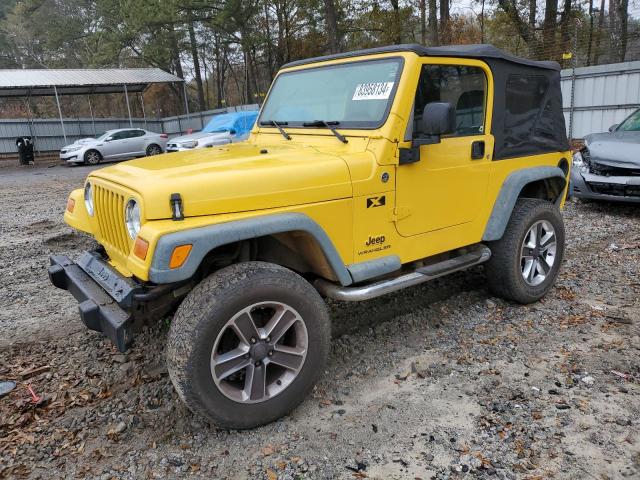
pixel 48 136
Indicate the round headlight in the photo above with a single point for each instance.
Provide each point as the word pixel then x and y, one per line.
pixel 88 198
pixel 577 159
pixel 132 218
pixel 580 163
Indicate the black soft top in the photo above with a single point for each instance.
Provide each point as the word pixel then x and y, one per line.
pixel 527 102
pixel 481 50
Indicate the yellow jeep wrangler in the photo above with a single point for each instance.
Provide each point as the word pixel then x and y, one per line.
pixel 366 172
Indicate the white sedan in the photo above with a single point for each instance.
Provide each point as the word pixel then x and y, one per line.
pixel 115 145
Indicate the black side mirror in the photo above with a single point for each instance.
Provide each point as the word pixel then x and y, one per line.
pixel 438 118
pixel 613 127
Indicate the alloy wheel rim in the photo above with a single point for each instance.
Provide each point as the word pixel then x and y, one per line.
pixel 154 150
pixel 259 352
pixel 538 253
pixel 93 158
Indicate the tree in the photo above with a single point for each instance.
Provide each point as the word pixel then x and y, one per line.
pixel 230 50
pixel 196 63
pixel 549 28
pixel 619 12
pixel 444 21
pixel 526 30
pixel 433 22
pixel 331 19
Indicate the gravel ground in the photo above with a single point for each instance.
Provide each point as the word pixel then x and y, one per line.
pixel 437 381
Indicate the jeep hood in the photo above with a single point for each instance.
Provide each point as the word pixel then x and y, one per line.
pixel 232 178
pixel 615 149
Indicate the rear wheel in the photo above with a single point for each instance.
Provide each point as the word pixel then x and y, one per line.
pixel 247 344
pixel 153 149
pixel 92 157
pixel 526 260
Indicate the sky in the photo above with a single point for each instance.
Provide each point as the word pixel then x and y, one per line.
pixel 475 6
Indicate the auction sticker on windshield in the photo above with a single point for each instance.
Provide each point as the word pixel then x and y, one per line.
pixel 373 91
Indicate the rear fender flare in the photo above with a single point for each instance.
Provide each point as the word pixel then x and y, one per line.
pixel 508 196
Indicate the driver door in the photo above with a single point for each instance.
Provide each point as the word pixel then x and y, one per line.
pixel 117 146
pixel 447 185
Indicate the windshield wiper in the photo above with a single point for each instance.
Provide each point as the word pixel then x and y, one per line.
pixel 330 126
pixel 273 123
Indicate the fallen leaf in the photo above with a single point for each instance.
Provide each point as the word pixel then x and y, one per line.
pixel 268 450
pixel 271 475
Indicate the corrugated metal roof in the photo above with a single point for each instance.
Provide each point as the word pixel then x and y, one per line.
pixel 80 81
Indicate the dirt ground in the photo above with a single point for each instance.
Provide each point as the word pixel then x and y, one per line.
pixel 437 381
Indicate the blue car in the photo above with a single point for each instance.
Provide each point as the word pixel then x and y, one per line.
pixel 221 129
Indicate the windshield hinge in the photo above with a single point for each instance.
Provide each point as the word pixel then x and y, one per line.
pixel 399 213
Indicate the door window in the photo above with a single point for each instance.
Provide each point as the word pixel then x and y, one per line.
pixel 120 135
pixel 464 87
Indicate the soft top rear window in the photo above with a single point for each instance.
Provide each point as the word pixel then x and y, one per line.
pixel 528 115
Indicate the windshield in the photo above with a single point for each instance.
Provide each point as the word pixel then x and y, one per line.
pixel 631 124
pixel 358 94
pixel 101 135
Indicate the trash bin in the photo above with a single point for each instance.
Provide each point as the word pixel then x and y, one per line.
pixel 25 150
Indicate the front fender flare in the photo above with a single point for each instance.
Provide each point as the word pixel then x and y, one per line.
pixel 509 194
pixel 205 239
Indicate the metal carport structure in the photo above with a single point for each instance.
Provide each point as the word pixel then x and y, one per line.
pixel 55 83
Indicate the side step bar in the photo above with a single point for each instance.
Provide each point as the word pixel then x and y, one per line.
pixel 420 275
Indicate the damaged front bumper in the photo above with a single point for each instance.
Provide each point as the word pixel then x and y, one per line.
pixel 110 303
pixel 602 187
pixel 104 296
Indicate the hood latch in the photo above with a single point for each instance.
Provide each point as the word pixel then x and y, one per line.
pixel 177 210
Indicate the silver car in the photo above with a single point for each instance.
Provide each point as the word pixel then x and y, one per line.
pixel 608 166
pixel 115 145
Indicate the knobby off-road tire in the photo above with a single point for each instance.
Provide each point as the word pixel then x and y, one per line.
pixel 519 248
pixel 210 325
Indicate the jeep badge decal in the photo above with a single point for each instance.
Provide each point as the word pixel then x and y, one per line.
pixel 376 201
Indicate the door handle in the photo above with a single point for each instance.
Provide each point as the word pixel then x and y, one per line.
pixel 477 150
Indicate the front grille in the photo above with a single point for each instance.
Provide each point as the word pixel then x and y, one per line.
pixel 109 207
pixel 617 190
pixel 608 171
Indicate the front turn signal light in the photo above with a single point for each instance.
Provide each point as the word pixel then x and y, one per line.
pixel 179 255
pixel 140 248
pixel 71 204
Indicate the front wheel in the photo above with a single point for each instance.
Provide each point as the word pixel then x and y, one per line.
pixel 247 344
pixel 92 157
pixel 526 260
